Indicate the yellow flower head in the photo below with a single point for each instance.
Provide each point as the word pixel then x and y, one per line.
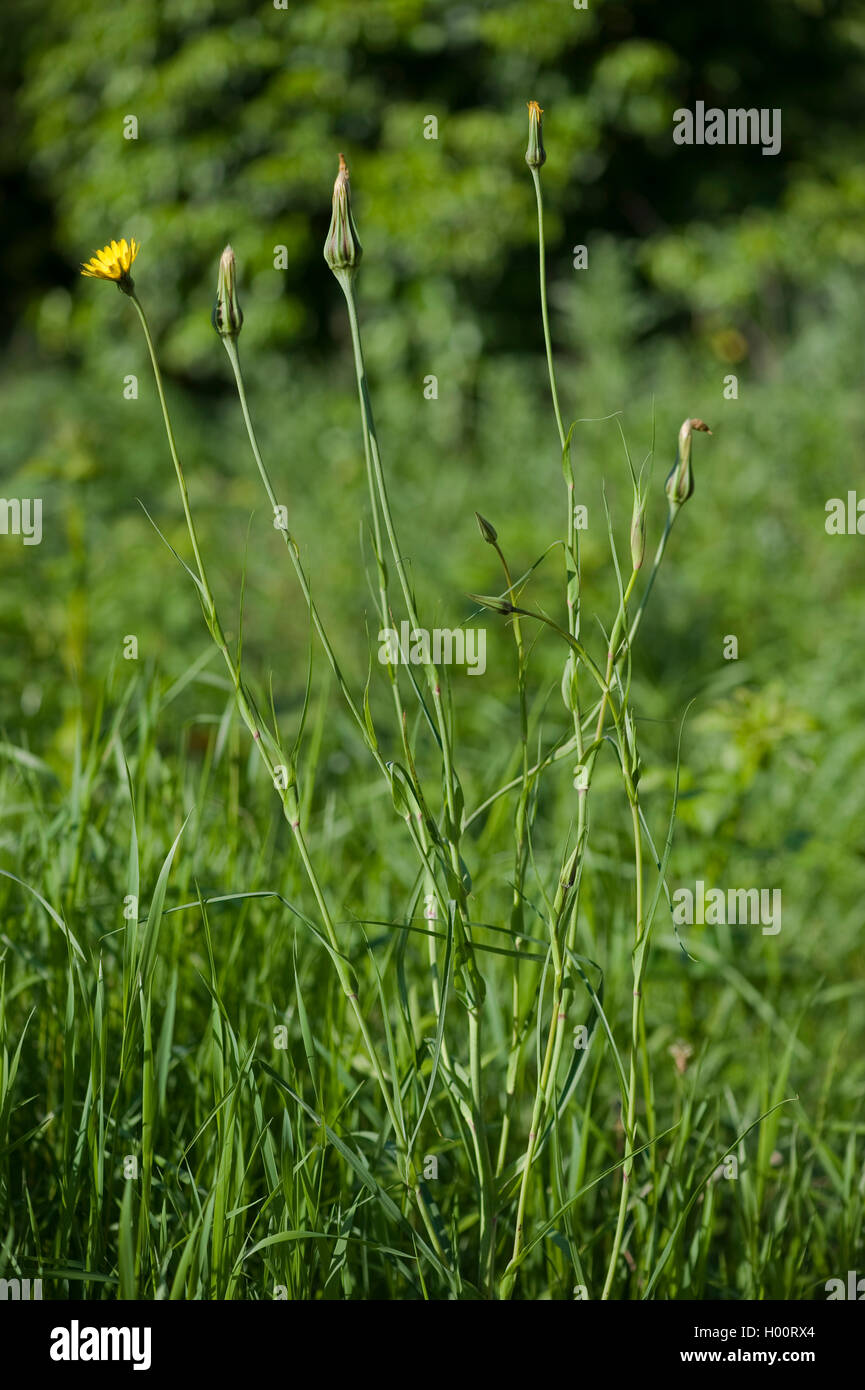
pixel 113 263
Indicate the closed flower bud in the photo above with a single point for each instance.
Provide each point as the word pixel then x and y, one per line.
pixel 638 530
pixel 680 480
pixel 535 154
pixel 342 249
pixel 487 530
pixel 227 318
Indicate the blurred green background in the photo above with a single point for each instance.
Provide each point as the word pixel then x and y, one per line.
pixel 701 263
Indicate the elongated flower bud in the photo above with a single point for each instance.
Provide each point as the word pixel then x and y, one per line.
pixel 638 530
pixel 535 154
pixel 342 249
pixel 680 480
pixel 227 318
pixel 487 530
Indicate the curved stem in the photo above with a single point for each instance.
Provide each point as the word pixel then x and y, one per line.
pixel 542 270
pixel 572 555
pixel 475 987
pixel 287 793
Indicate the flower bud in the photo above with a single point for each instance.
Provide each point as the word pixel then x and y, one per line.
pixel 342 249
pixel 680 480
pixel 535 154
pixel 487 530
pixel 638 530
pixel 227 318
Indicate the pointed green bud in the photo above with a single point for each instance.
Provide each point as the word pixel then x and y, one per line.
pixel 680 480
pixel 342 249
pixel 535 154
pixel 638 530
pixel 227 318
pixel 497 605
pixel 487 530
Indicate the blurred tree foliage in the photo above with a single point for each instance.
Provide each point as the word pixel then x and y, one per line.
pixel 699 258
pixel 242 107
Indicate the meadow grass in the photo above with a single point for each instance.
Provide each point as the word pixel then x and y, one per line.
pixel 419 1037
pixel 266 1164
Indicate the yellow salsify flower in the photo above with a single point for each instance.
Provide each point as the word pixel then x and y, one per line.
pixel 113 263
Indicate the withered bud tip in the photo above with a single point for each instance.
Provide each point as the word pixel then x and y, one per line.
pixel 227 316
pixel 535 154
pixel 342 249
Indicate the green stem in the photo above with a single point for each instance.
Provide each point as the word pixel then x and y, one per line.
pixel 572 557
pixel 561 911
pixel 618 627
pixel 564 909
pixel 475 987
pixel 294 555
pixel 416 831
pixel 659 555
pixel 542 268
pixel 288 796
pixel 636 1016
pixel 520 858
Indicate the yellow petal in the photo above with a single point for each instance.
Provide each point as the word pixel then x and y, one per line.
pixel 111 262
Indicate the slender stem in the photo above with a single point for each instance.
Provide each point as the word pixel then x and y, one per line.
pixel 566 749
pixel 572 555
pixel 561 907
pixel 287 793
pixel 417 829
pixel 172 445
pixel 465 952
pixel 659 555
pixel 294 555
pixel 636 1016
pixel 566 992
pixel 520 858
pixel 565 908
pixel 542 269
pixel 381 489
pixel 546 1079
pixel 618 627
